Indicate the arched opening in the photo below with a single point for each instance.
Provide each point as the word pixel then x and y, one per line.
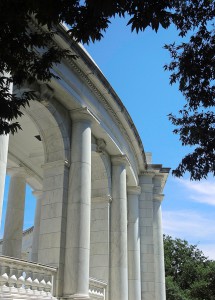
pixel 38 143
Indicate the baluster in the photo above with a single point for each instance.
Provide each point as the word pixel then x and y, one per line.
pixel 21 275
pixel 20 278
pixel 28 282
pixel 35 281
pixel 12 277
pixel 48 286
pixel 12 281
pixel 42 284
pixel 5 290
pixel 4 276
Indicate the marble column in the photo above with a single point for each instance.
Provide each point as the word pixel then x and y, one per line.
pixel 118 231
pixel 36 231
pixel 12 241
pixel 77 256
pixel 134 280
pixel 160 290
pixel 146 236
pixel 3 164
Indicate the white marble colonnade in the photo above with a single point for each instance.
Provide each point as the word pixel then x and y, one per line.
pixel 136 269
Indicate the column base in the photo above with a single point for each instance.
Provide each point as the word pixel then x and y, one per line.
pixel 77 297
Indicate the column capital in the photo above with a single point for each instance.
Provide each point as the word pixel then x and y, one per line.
pixel 158 197
pixel 17 172
pixel 83 114
pixel 121 159
pixel 134 190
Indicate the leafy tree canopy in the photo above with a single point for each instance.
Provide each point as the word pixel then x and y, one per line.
pixel 189 274
pixel 28 55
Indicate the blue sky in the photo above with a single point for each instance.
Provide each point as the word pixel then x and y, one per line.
pixel 133 64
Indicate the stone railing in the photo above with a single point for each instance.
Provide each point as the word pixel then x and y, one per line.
pixel 19 278
pixel 97 289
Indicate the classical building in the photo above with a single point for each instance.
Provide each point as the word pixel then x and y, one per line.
pixel 97 229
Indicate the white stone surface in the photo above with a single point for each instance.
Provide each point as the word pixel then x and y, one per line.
pixel 118 232
pixel 12 241
pixel 36 230
pixel 53 219
pixel 99 249
pixel 77 255
pixel 134 279
pixel 3 165
pixel 24 280
pixel 146 238
pixel 26 244
pixel 160 291
pixel 101 174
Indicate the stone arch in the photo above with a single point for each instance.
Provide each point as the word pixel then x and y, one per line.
pixel 53 124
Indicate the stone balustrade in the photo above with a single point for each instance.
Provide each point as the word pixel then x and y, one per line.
pixel 19 278
pixel 97 289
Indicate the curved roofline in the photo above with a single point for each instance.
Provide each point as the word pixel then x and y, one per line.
pixel 64 41
pixel 90 63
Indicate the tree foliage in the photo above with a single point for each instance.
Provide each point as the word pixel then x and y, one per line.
pixel 189 274
pixel 193 67
pixel 28 54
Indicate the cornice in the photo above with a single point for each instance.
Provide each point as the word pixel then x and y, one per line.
pixel 78 51
pixel 106 105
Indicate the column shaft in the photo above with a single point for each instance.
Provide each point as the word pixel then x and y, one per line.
pixel 134 281
pixel 12 242
pixel 3 164
pixel 160 291
pixel 118 233
pixel 76 279
pixel 36 231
